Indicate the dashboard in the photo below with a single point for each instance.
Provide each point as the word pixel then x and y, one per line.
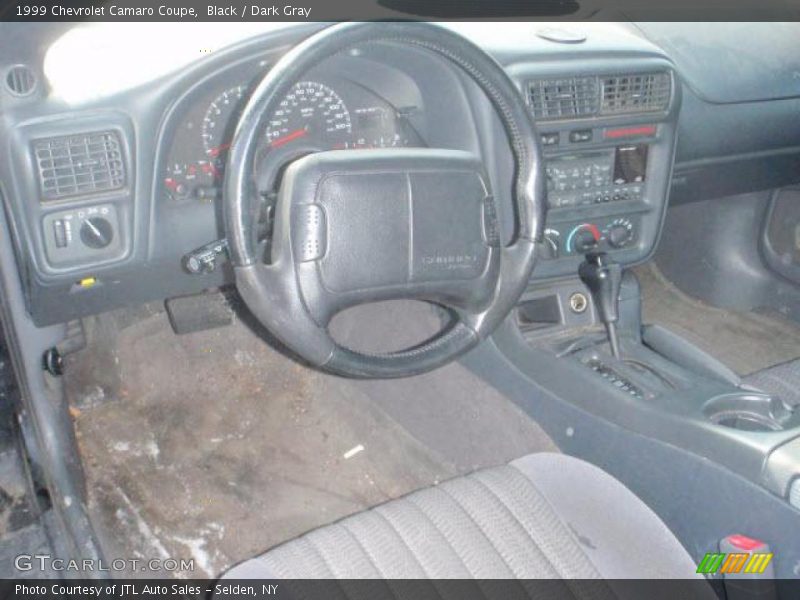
pixel 106 199
pixel 127 192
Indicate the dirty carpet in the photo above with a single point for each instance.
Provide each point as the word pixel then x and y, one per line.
pixel 214 446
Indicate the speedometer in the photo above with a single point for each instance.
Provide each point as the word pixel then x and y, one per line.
pixel 309 109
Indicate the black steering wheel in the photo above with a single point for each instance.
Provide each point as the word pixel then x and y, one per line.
pixel 357 226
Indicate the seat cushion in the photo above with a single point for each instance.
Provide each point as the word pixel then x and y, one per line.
pixel 542 516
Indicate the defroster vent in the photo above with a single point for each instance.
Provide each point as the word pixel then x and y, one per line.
pixel 564 98
pixel 80 164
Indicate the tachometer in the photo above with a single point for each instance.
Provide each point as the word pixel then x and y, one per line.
pixel 219 121
pixel 309 109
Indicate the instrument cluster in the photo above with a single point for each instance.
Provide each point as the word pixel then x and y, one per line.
pixel 314 115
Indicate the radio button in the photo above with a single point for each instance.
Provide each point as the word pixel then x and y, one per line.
pixel 550 139
pixel 580 136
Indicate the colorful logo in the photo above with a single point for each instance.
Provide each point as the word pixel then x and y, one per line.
pixel 733 562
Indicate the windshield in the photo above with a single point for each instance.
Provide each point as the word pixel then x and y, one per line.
pixel 120 60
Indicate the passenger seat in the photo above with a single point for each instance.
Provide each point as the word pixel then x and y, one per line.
pixel 542 516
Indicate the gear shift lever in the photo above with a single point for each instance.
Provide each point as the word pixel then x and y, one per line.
pixel 603 277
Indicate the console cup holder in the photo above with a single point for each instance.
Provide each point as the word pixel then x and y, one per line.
pixel 748 411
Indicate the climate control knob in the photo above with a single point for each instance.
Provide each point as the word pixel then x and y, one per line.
pixel 584 238
pixel 619 233
pixel 584 241
pixel 96 232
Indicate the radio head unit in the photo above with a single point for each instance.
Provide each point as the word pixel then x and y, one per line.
pixel 597 176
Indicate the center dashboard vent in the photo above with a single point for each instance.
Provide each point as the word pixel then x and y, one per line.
pixel 565 98
pixel 589 96
pixel 624 94
pixel 79 164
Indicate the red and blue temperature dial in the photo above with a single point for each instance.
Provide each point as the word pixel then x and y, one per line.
pixel 583 238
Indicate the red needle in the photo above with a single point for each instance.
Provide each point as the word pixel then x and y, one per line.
pixel 216 151
pixel 288 138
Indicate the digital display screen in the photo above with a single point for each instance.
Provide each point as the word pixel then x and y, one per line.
pixel 371 118
pixel 630 164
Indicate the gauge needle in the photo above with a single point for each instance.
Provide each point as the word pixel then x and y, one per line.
pixel 298 133
pixel 217 150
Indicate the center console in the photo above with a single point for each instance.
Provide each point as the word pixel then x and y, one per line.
pixel 608 139
pixel 655 383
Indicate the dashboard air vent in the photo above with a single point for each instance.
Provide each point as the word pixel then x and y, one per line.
pixel 646 92
pixel 79 164
pixel 20 80
pixel 564 98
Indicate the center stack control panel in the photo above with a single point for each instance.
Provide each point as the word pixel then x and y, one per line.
pixel 595 199
pixel 608 144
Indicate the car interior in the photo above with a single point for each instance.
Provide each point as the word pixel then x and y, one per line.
pixel 401 299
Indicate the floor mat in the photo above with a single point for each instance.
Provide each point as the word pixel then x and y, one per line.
pixel 28 541
pixel 214 447
pixel 782 381
pixel 744 341
pixel 450 410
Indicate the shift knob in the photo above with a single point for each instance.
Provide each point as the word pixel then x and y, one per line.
pixel 603 277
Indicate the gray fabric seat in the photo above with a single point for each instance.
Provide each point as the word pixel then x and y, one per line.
pixel 542 516
pixel 781 380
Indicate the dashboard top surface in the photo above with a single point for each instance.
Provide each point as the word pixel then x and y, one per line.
pixel 766 65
